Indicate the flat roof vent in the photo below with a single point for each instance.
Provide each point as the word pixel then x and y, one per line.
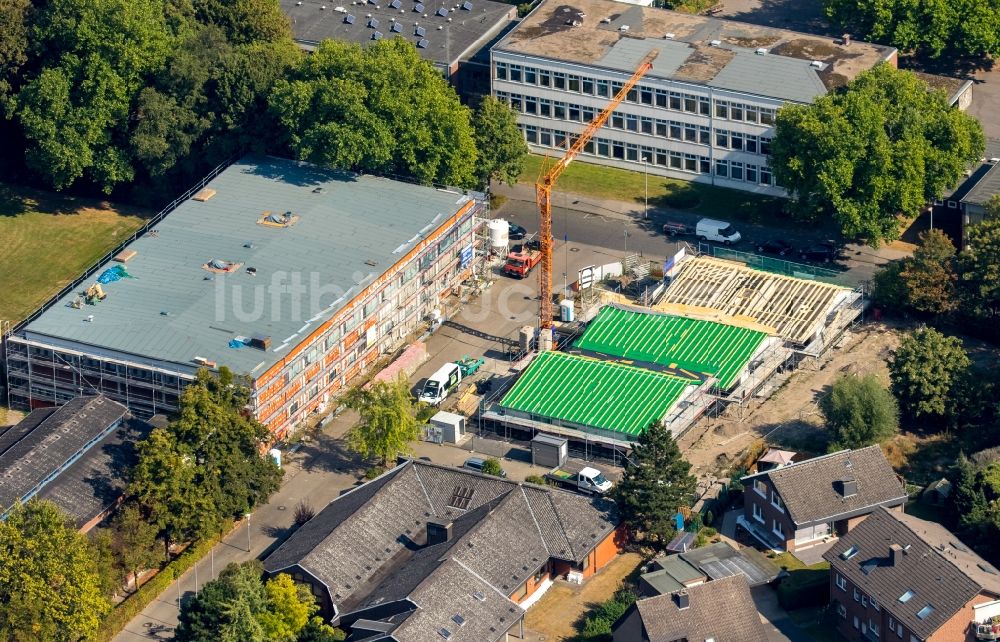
pixel 668 36
pixel 817 64
pixel 715 43
pixel 761 51
pixel 623 28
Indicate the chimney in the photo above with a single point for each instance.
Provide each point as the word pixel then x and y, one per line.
pixel 438 533
pixel 848 487
pixel 846 39
pixel 895 554
pixel 682 599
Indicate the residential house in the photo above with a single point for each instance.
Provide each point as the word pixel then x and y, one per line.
pixel 896 577
pixel 965 206
pixel 427 550
pixel 720 611
pixel 802 504
pixel 706 563
pixel 72 455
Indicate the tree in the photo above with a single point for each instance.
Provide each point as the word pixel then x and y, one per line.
pixel 492 467
pixel 889 290
pixel 923 371
pixel 13 45
pixel 241 607
pixel 979 269
pixel 502 150
pixel 960 28
pixel 50 588
pixel 992 207
pixel 134 542
pixel 860 412
pixel 387 422
pixel 655 485
pixel 108 572
pixel 929 275
pixel 380 109
pixel 882 147
pixel 319 631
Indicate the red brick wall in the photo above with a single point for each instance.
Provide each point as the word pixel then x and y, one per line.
pixel 958 627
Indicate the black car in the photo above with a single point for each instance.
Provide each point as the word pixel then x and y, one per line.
pixel 515 232
pixel 819 252
pixel 774 246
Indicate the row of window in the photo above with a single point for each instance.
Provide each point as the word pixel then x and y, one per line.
pixel 602 147
pixel 674 130
pixel 872 627
pixel 640 95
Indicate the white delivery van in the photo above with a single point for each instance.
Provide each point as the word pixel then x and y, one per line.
pixel 440 384
pixel 709 229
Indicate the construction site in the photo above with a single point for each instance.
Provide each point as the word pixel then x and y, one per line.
pixel 298 279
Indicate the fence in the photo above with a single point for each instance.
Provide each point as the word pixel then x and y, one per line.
pixel 777 266
pixel 121 246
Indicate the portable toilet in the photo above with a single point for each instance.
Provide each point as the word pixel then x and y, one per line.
pixel 566 310
pixel 452 426
pixel 276 456
pixel 549 451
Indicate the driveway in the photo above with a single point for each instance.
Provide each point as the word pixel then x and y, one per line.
pixel 778 625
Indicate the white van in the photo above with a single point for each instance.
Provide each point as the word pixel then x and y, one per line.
pixel 440 384
pixel 709 229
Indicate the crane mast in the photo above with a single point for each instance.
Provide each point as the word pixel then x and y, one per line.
pixel 543 196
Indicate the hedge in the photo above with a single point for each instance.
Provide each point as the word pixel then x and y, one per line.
pixel 134 604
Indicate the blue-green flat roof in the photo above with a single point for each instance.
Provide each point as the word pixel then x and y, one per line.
pixel 350 230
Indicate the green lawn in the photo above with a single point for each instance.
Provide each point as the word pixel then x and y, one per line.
pixel 617 184
pixel 48 240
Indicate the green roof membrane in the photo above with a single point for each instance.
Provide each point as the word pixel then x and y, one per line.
pixel 594 393
pixel 710 348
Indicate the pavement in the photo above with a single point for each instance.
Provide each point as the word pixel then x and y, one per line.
pixel 777 624
pixel 614 225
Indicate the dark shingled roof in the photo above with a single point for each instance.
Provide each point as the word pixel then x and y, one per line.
pixel 368 547
pixel 463 30
pixel 811 489
pixel 48 441
pixel 721 609
pixel 935 565
pixel 94 483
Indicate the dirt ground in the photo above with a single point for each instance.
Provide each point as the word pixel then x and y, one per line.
pixel 552 618
pixel 790 416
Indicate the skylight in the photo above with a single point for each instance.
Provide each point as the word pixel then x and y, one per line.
pixel 906 597
pixel 849 553
pixel 924 612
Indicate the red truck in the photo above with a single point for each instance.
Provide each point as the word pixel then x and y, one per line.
pixel 520 264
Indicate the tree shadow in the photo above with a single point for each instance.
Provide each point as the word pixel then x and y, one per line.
pixel 326 453
pixel 301 175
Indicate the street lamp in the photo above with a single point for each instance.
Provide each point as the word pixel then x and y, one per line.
pixel 248 532
pixel 645 180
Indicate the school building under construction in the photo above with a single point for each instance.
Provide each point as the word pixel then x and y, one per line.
pixel 296 277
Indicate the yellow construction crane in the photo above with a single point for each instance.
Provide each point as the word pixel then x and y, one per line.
pixel 543 196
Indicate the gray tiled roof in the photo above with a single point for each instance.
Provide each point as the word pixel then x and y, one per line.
pixel 461 29
pixel 30 454
pixel 811 492
pixel 368 546
pixel 351 228
pixel 721 609
pixel 92 484
pixel 939 569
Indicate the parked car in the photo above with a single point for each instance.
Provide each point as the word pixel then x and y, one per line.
pixel 779 247
pixel 819 252
pixel 515 232
pixel 709 229
pixel 476 464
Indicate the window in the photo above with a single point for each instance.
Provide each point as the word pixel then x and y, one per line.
pixel 515 73
pixel 758 514
pixel 875 604
pixel 675 131
pixel 530 76
pixel 690 163
pixel 675 160
pixel 736 173
pixel 722 169
pixel 602 88
pixel 544 78
pixel 559 110
pixel 849 553
pixel 873 629
pixel 736 112
pixel 646 125
pixel 906 597
pixel 631 152
pixel 646 96
pixel 574 83
pixel 751 173
pixel 777 528
pixel 501 71
pixel 618 150
pixel 760 486
pixel 559 80
pixel 751 115
pixel 765 176
pixel 751 144
pixel 690 104
pixel 841 582
pixel 721 109
pixel 690 133
pixel 765 146
pixel 704 165
pixel 588 86
pixel 913 638
pixel 856 623
pixel 631 122
pixel 842 611
pixel 530 105
pixel 704 106
pixel 721 138
pixel 736 141
pixel 545 137
pixel 864 601
pixel 544 108
pixel 661 98
pixel 767 116
pixel 952 205
pixel 924 612
pixel 857 595
pixel 675 101
pixel 531 134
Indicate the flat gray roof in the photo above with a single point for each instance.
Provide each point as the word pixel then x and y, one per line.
pixel 696 49
pixel 350 229
pixel 463 24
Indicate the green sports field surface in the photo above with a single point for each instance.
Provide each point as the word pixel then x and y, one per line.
pixel 595 393
pixel 706 347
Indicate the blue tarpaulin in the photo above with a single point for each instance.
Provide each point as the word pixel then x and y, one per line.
pixel 113 274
